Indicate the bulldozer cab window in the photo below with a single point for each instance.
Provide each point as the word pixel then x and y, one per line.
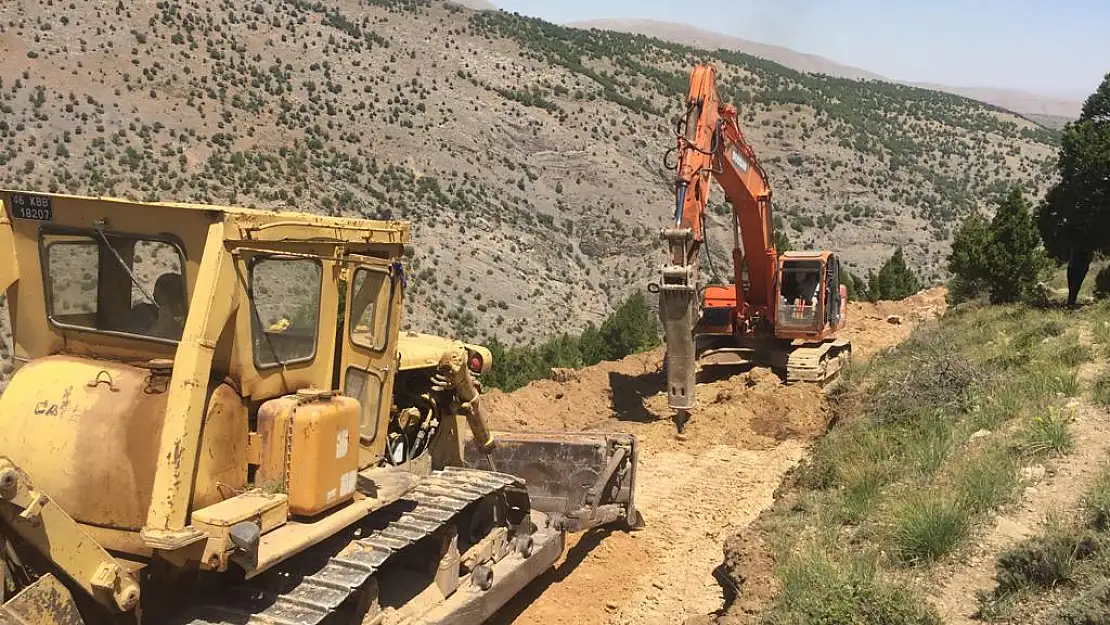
pixel 371 294
pixel 116 284
pixel 367 389
pixel 285 297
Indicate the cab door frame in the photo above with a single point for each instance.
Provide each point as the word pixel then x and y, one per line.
pixel 368 356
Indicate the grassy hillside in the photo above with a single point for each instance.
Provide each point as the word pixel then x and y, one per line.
pixel 528 155
pixel 928 500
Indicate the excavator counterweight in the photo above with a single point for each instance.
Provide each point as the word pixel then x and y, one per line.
pixel 779 310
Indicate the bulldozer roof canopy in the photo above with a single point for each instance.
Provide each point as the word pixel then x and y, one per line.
pixel 244 223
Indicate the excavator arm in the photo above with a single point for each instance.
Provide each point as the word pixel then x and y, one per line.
pixel 711 144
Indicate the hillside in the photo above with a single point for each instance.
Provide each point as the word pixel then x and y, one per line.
pixel 1043 109
pixel 528 155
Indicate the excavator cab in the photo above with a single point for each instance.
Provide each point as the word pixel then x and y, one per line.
pixel 811 300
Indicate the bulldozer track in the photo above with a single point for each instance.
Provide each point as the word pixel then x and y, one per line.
pixel 439 499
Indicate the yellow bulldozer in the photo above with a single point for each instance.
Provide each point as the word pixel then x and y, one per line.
pixel 215 419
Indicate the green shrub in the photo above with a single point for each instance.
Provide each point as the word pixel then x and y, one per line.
pixel 986 480
pixel 1101 389
pixel 1096 503
pixel 1091 607
pixel 895 280
pixel 927 528
pixel 1002 258
pixel 1043 561
pixel 633 327
pixel 1102 283
pixel 1071 354
pixel 863 483
pixel 1049 435
pixel 827 589
pixel 1101 332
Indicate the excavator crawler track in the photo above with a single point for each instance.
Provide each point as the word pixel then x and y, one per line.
pixel 439 499
pixel 818 364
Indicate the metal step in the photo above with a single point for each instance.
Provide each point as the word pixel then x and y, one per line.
pixel 439 498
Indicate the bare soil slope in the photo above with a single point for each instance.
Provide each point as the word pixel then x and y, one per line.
pixel 694 494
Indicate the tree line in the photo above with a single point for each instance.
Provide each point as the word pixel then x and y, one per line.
pixel 631 328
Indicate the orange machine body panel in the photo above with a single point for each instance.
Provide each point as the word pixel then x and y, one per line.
pixel 310 449
pixel 718 309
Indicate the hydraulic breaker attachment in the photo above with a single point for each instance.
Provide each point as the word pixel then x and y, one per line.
pixel 45 602
pixel 33 515
pixel 679 311
pixel 580 480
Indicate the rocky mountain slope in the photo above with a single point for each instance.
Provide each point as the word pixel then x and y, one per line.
pixel 1044 109
pixel 528 155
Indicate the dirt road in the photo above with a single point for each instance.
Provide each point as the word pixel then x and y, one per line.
pixel 694 493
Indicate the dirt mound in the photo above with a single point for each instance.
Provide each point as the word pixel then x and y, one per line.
pixel 755 406
pixel 876 326
pixel 754 410
pixel 749 563
pixel 581 399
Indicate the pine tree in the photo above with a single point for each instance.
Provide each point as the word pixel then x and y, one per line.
pixel 1015 259
pixel 632 327
pixel 856 286
pixel 1074 218
pixel 782 242
pixel 969 261
pixel 1002 258
pixel 895 280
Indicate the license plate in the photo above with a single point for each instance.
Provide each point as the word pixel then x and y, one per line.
pixel 33 207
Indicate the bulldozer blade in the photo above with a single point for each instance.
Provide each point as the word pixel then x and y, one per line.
pixel 45 602
pixel 580 480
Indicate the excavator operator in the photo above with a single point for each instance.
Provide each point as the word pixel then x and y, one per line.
pixel 807 289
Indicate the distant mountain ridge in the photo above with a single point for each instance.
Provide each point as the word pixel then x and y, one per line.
pixel 477 5
pixel 1045 109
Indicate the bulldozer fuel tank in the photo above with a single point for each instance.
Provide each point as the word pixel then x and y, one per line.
pixel 310 448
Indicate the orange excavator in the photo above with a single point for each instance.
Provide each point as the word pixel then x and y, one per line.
pixel 782 311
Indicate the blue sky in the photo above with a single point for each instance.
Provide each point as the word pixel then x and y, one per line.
pixel 1058 47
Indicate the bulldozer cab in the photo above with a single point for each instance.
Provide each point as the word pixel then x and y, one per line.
pixel 103 295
